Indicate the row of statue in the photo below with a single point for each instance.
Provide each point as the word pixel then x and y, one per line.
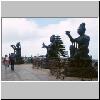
pixel 78 64
pixel 78 49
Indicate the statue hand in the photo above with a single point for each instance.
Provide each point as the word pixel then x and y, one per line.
pixel 43 45
pixel 67 33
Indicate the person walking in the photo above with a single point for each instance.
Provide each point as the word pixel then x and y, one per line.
pixel 6 61
pixel 9 58
pixel 12 61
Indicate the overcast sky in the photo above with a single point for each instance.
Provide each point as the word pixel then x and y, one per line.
pixel 32 32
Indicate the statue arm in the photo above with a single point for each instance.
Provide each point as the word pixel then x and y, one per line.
pixel 68 34
pixel 71 39
pixel 44 46
pixel 13 46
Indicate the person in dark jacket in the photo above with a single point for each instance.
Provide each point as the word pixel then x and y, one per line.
pixel 12 61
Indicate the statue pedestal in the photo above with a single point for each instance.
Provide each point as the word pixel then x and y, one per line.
pixel 81 68
pixel 19 61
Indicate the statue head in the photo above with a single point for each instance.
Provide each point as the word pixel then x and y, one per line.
pixel 18 45
pixel 81 30
pixel 52 38
pixel 6 55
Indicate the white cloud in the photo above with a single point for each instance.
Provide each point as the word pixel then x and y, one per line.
pixel 17 29
pixel 31 35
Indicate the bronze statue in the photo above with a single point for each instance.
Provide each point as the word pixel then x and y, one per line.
pixel 79 47
pixel 56 47
pixel 50 52
pixel 17 52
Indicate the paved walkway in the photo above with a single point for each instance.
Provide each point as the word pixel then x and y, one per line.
pixel 25 72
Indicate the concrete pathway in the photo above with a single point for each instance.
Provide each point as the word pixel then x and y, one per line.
pixel 25 72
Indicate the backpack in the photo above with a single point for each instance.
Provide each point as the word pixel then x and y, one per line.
pixel 12 57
